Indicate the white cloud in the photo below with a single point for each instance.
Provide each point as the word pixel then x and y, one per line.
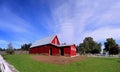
pixel 110 16
pixel 79 18
pixel 68 29
pixel 3 42
pixel 17 28
pixel 70 20
pixel 12 22
pixel 103 33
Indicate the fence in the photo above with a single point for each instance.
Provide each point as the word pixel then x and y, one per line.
pixel 3 52
pixel 16 52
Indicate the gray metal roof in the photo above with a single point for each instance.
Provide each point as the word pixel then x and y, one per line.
pixel 43 41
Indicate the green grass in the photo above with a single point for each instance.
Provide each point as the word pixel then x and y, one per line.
pixel 24 63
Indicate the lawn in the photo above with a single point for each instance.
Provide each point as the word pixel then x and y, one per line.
pixel 24 63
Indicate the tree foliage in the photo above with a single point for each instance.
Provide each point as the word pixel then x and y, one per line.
pixel 111 46
pixel 26 46
pixel 89 46
pixel 10 49
pixel 2 49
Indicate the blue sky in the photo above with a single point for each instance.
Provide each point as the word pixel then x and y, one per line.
pixel 24 21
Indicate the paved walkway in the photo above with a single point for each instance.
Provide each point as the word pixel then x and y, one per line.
pixel 5 67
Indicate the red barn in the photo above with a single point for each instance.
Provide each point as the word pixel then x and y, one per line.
pixel 51 46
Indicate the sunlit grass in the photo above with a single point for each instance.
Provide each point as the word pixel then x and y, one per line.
pixel 24 63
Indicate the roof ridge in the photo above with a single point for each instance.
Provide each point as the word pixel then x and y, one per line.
pixel 53 38
pixel 45 40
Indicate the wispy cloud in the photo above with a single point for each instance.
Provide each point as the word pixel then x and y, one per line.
pixel 72 20
pixel 79 18
pixel 103 33
pixel 3 43
pixel 21 30
pixel 12 22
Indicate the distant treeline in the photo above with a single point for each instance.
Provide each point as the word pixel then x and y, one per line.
pixel 11 50
pixel 92 47
pixel 89 46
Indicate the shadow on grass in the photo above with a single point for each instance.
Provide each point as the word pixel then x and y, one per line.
pixel 4 57
pixel 118 61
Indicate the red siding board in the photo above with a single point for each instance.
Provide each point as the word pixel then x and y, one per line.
pixel 73 50
pixel 55 51
pixel 68 50
pixel 45 49
pixel 55 41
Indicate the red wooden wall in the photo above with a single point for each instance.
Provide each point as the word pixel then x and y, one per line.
pixel 70 50
pixel 73 50
pixel 45 50
pixel 55 41
pixel 67 51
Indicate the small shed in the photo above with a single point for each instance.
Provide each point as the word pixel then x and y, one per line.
pixel 51 46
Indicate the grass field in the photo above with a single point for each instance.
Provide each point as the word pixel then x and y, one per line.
pixel 24 63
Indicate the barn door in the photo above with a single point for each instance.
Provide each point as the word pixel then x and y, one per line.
pixel 62 51
pixel 50 51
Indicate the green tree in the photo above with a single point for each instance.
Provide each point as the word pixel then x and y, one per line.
pixel 111 46
pixel 89 46
pixel 1 49
pixel 80 49
pixel 26 46
pixel 10 49
pixel 96 48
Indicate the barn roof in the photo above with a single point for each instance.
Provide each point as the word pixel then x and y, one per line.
pixel 66 45
pixel 43 41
